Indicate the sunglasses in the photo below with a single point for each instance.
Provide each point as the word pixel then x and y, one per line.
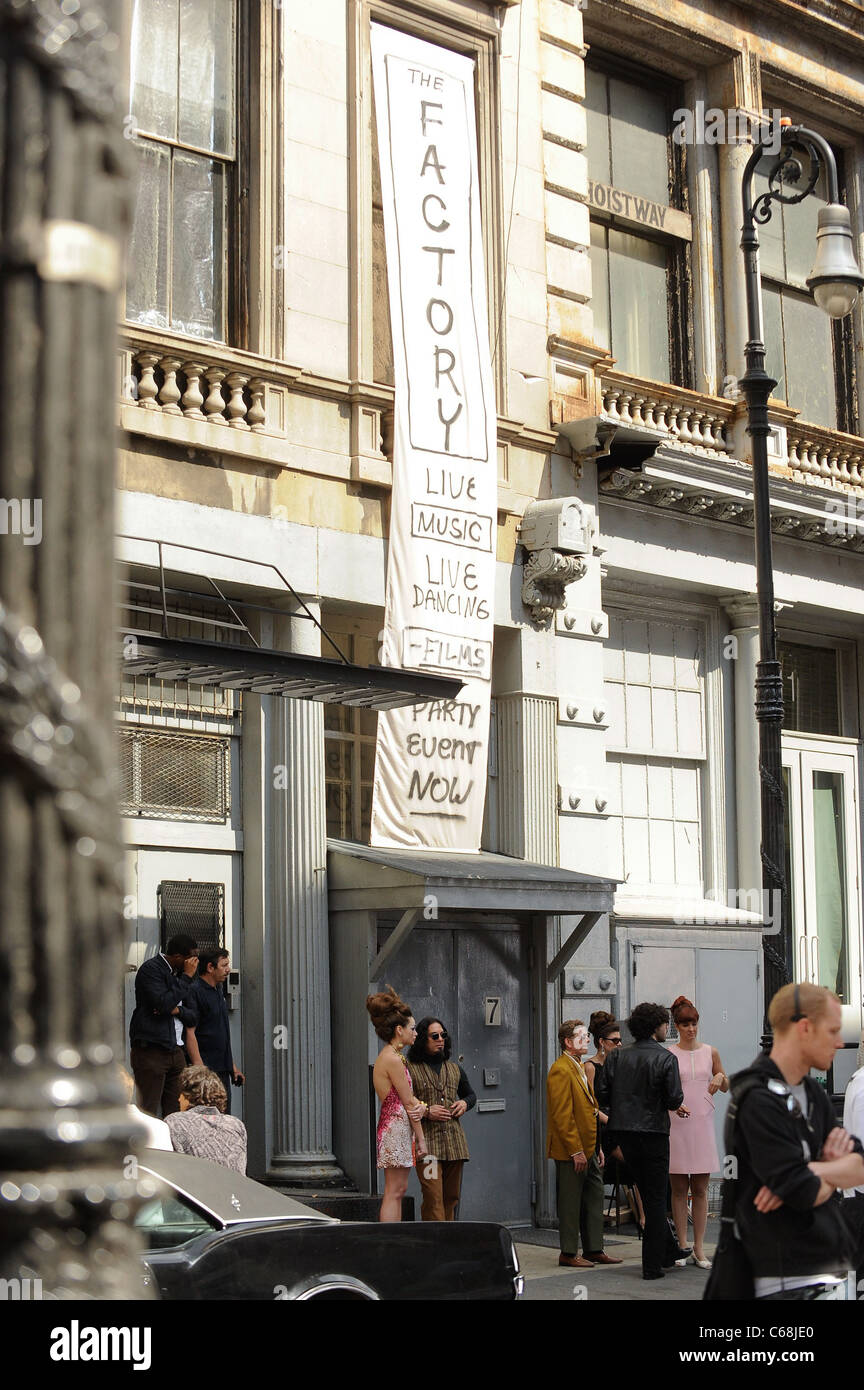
pixel 436 1035
pixel 612 1042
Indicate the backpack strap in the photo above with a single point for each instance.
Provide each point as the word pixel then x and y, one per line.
pixel 738 1093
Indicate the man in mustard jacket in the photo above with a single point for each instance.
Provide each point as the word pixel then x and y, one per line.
pixel 572 1140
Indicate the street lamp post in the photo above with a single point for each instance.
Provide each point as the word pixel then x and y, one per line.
pixel 835 282
pixel 68 1180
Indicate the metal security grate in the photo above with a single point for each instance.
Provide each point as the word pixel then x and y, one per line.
pixel 197 909
pixel 174 776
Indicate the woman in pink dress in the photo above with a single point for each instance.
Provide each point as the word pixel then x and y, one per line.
pixel 692 1148
pixel 401 1112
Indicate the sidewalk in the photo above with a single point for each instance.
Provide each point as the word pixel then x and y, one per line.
pixel 546 1280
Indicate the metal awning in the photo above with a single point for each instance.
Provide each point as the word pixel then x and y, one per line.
pixel 232 667
pixel 172 586
pixel 361 877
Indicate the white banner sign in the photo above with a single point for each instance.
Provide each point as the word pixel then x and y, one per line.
pixel 430 766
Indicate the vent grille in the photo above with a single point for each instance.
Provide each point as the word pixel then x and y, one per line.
pixel 171 776
pixel 197 909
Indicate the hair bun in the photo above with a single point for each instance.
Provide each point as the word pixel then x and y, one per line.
pixel 682 1005
pixel 601 1024
pixel 599 1017
pixel 387 1012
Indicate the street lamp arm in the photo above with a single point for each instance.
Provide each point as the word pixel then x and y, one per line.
pixel 787 171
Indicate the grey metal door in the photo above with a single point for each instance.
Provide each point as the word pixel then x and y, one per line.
pixel 729 1004
pixel 477 981
pixel 723 984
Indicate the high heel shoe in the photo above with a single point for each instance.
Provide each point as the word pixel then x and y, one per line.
pixel 703 1263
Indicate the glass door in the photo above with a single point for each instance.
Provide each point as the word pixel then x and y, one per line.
pixel 823 869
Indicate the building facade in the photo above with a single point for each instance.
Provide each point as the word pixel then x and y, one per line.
pixel 620 856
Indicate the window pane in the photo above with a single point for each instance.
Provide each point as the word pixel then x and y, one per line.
pixel 787 242
pixel 199 237
pixel 788 905
pixel 367 721
pixel 336 717
pixel 811 688
pixel 660 790
pixel 207 75
pixel 153 68
pixel 800 227
pixel 639 310
pixel 662 643
pixel 830 873
pixel 809 361
pixel 597 113
pixel 770 234
pixel 147 270
pixel 773 327
pixel 600 284
pixel 634 788
pixel 640 145
pixel 338 762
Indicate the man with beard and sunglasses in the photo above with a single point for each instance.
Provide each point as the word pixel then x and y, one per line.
pixel 793 1157
pixel 446 1090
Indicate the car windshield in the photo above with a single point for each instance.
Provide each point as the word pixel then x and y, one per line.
pixel 168 1220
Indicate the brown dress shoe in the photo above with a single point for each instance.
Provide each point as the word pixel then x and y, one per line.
pixel 602 1258
pixel 575 1262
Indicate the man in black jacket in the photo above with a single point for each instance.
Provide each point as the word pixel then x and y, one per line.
pixel 637 1087
pixel 163 986
pixel 792 1157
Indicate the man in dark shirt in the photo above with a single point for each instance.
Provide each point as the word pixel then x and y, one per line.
pixel 213 1032
pixel 793 1157
pixel 446 1090
pixel 163 986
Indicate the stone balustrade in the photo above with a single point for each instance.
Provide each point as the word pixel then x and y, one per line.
pixel 688 418
pixel 194 386
pixel 825 457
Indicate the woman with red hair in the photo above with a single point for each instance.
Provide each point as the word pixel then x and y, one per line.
pixel 692 1147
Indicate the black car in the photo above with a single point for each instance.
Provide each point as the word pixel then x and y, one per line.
pixel 212 1233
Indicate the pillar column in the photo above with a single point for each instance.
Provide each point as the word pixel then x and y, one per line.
pixel 735 85
pixel 300 1150
pixel 744 614
pixel 527 796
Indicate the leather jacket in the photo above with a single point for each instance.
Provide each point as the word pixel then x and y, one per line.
pixel 637 1087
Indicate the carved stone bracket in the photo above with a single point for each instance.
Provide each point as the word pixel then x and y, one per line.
pixel 545 576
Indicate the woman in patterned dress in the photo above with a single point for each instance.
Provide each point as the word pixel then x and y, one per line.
pixel 401 1112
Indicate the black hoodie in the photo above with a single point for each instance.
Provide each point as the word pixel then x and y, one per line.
pixel 774 1147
